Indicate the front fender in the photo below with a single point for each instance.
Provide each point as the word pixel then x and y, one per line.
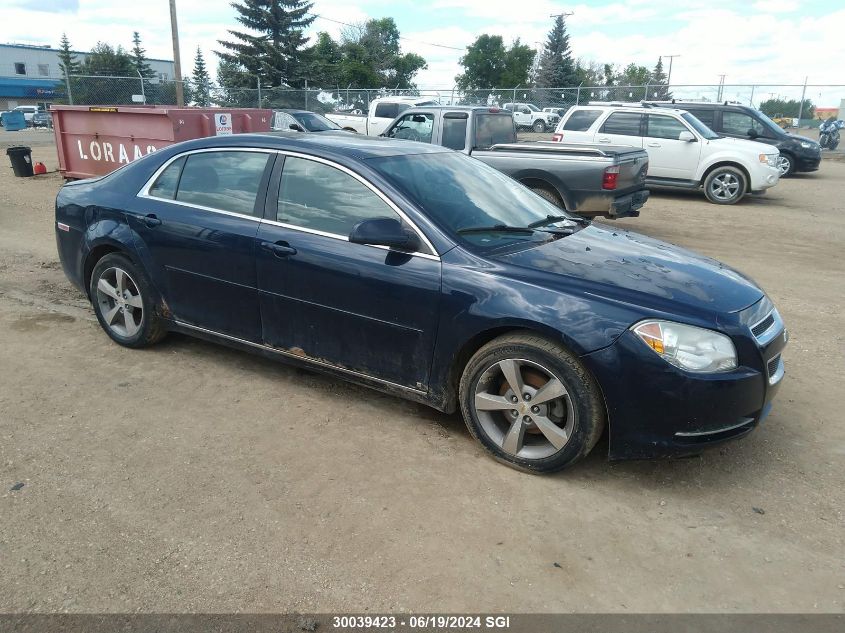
pixel 722 158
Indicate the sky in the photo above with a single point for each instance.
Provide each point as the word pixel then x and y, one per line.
pixel 749 41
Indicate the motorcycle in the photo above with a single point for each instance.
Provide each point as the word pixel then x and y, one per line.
pixel 829 133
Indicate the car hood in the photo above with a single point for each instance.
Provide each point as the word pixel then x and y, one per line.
pixel 802 139
pixel 745 144
pixel 625 266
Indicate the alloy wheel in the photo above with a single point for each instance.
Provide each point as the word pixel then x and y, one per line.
pixel 784 165
pixel 725 186
pixel 120 302
pixel 524 408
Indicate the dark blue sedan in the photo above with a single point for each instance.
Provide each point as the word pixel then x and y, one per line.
pixel 424 273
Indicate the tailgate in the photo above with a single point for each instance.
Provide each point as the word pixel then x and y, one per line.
pixel 633 167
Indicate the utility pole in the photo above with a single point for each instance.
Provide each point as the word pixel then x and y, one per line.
pixel 801 105
pixel 174 31
pixel 721 87
pixel 669 76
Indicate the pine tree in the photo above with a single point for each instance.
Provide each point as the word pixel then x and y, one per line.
pixel 557 70
pixel 202 81
pixel 67 59
pixel 658 87
pixel 139 59
pixel 277 52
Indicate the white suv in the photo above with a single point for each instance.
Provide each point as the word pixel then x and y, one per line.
pixel 682 151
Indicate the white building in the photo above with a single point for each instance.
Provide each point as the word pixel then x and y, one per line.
pixel 29 74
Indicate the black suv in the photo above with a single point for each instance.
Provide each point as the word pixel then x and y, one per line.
pixel 797 153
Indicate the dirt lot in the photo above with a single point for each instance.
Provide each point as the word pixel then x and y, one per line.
pixel 190 477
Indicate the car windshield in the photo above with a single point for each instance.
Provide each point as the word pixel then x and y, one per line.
pixel 699 127
pixel 315 122
pixel 464 196
pixel 778 130
pixel 533 108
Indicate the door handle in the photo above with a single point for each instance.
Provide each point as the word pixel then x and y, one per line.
pixel 604 140
pixel 151 220
pixel 654 144
pixel 279 249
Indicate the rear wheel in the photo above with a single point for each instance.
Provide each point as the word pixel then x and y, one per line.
pixel 122 300
pixel 725 185
pixel 550 195
pixel 531 403
pixel 539 126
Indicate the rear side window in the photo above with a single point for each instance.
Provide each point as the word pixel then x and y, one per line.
pixel 386 111
pixel 165 185
pixel 706 116
pixel 660 126
pixel 623 123
pixel 454 132
pixel 491 129
pixel 581 120
pixel 227 181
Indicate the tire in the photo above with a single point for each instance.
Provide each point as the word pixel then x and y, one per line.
pixel 539 126
pixel 834 143
pixel 786 165
pixel 550 195
pixel 544 437
pixel 122 300
pixel 725 185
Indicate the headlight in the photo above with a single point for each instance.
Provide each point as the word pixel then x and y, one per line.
pixel 807 145
pixel 769 159
pixel 691 348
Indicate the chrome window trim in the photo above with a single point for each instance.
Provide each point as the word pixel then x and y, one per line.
pixel 770 332
pixel 145 193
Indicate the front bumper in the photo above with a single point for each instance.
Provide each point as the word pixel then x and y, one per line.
pixel 657 410
pixel 628 206
pixel 808 162
pixel 764 178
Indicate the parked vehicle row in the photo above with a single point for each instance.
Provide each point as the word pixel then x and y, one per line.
pixel 591 181
pixel 529 116
pixel 380 114
pixel 419 271
pixel 683 152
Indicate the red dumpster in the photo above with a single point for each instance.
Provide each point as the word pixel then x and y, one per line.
pixel 95 140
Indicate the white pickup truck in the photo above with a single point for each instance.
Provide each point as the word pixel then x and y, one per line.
pixel 527 115
pixel 382 112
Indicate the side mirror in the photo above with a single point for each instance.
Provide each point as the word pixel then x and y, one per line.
pixel 752 133
pixel 689 137
pixel 296 127
pixel 384 232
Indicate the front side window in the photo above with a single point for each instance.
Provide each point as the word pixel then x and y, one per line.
pixel 319 197
pixel 414 127
pixel 227 181
pixel 664 127
pixel 623 123
pixel 455 130
pixel 739 123
pixel 581 120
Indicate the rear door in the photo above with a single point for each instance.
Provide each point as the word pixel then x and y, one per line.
pixel 621 128
pixel 669 157
pixel 364 309
pixel 196 223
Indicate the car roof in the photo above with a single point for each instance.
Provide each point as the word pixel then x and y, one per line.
pixel 459 108
pixel 344 145
pixel 629 108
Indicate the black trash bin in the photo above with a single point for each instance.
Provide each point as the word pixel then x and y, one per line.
pixel 21 158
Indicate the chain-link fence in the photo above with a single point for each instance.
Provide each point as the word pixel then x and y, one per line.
pixel 98 90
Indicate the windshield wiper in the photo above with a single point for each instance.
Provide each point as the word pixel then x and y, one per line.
pixel 551 219
pixel 496 228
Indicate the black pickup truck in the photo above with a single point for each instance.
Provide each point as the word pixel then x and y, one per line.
pixel 586 179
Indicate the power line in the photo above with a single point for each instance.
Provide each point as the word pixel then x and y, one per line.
pixel 407 39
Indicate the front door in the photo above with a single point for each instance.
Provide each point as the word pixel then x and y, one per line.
pixel 362 308
pixel 196 227
pixel 669 157
pixel 621 128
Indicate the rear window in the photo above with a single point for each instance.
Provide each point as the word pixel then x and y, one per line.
pixel 581 120
pixel 492 129
pixel 623 123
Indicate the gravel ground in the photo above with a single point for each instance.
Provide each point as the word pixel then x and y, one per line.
pixel 190 477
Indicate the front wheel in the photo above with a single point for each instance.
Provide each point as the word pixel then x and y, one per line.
pixel 531 403
pixel 786 165
pixel 725 185
pixel 122 300
pixel 539 126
